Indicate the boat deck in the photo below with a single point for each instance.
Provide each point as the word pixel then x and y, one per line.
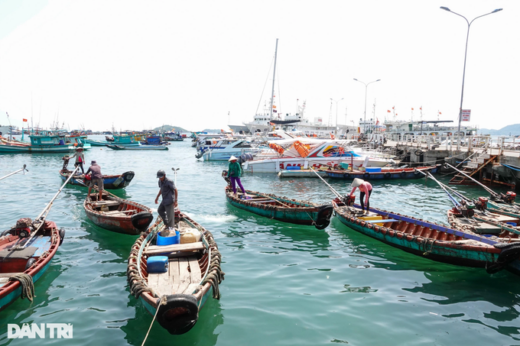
pixel 182 277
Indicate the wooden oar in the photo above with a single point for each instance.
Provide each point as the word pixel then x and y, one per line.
pixel 40 220
pixel 20 170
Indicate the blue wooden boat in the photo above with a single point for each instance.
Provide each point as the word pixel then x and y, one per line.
pixel 138 147
pixel 430 240
pixel 46 142
pixel 175 294
pixel 393 173
pixel 110 182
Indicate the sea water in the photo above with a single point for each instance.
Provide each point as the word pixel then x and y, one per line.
pixel 284 284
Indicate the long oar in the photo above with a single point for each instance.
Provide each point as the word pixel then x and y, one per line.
pixel 476 181
pixel 20 170
pixel 43 215
pixel 330 187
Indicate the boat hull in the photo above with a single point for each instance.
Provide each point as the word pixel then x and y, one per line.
pixel 110 182
pixel 34 149
pixel 408 173
pixel 280 164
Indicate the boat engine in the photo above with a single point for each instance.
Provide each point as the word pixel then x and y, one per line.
pixel 23 228
pixel 349 200
pixel 481 203
pixel 510 197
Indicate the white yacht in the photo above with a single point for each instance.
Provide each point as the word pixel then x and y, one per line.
pixel 307 152
pixel 223 149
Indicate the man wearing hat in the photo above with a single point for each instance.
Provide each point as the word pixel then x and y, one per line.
pixel 366 190
pixel 234 173
pixel 169 199
pixel 80 158
pixel 96 178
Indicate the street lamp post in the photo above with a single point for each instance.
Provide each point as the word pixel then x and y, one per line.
pixel 465 56
pixel 365 116
pixel 336 132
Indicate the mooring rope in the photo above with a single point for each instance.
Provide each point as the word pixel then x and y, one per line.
pixel 161 302
pixel 27 284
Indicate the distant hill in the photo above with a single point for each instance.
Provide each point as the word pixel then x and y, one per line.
pixel 168 128
pixel 513 130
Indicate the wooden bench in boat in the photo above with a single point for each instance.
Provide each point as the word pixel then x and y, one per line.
pixel 157 249
pixel 113 213
pixel 183 276
pixel 105 203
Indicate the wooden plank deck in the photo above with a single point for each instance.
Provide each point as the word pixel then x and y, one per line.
pixel 183 276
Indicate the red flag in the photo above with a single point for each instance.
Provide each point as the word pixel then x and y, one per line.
pixel 440 113
pixel 393 107
pixel 377 122
pixel 24 120
pixel 412 109
pixel 388 111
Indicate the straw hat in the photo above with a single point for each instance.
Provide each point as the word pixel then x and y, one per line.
pixel 357 182
pixel 232 158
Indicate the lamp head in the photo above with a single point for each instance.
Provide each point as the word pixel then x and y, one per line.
pixel 497 10
pixel 445 9
pixel 355 79
pixel 378 80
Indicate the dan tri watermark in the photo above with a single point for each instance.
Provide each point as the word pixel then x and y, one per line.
pixel 42 331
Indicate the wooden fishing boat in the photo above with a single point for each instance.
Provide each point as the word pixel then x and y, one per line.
pixel 26 251
pixel 280 208
pixel 117 214
pixel 384 173
pixel 425 238
pixel 110 182
pixel 193 274
pixel 138 147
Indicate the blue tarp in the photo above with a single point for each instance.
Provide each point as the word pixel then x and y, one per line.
pixel 514 168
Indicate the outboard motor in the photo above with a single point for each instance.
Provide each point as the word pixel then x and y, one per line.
pixel 349 200
pixel 468 210
pixel 481 204
pixel 510 197
pixel 23 227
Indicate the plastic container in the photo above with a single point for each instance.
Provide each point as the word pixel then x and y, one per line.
pixel 293 168
pixel 373 169
pixel 163 241
pixel 191 236
pixel 344 165
pixel 157 264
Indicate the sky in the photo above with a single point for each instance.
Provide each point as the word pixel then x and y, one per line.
pixel 205 64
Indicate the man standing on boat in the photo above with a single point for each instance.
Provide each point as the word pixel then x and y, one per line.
pixel 80 158
pixel 169 199
pixel 366 190
pixel 234 173
pixel 96 178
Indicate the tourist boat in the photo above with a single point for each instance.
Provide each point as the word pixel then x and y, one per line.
pixel 110 182
pixel 428 239
pixel 223 149
pixel 117 214
pixel 138 147
pixel 193 274
pixel 26 251
pixel 280 208
pixel 46 142
pixel 173 137
pixel 382 173
pixel 305 153
pixel 124 140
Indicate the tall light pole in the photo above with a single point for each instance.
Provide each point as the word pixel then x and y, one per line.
pixel 465 56
pixel 366 86
pixel 336 132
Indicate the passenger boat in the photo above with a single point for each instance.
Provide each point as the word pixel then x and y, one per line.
pixel 110 182
pixel 117 214
pixel 95 143
pixel 223 149
pixel 280 208
pixel 425 238
pixel 138 147
pixel 26 251
pixel 306 153
pixel 192 274
pixel 382 173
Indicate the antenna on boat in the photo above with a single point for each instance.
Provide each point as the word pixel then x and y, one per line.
pixel 274 75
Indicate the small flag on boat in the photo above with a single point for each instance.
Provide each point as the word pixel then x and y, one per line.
pixel 7 114
pixel 24 120
pixel 412 109
pixel 388 111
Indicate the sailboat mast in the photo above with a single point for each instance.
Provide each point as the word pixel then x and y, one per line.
pixel 274 75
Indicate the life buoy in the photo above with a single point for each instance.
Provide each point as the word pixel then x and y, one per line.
pixel 62 235
pixel 179 314
pixel 366 175
pixel 324 215
pixel 388 175
pixel 141 220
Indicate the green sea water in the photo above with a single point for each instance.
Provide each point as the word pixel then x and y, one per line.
pixel 284 284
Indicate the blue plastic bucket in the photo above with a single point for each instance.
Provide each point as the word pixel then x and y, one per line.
pixel 168 240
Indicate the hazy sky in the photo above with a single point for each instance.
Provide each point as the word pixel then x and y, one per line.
pixel 141 64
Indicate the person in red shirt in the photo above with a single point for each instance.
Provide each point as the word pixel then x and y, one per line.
pixel 366 190
pixel 80 159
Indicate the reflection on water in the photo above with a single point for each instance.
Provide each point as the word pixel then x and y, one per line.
pixel 285 284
